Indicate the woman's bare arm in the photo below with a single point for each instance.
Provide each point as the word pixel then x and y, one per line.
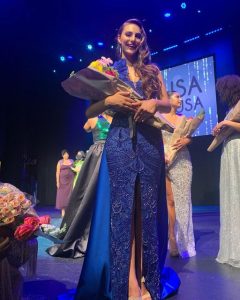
pixel 163 103
pixel 58 175
pixel 120 101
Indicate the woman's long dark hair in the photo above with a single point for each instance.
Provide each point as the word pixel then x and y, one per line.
pixel 143 67
pixel 228 89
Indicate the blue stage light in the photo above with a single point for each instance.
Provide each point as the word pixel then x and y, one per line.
pixel 69 57
pixel 80 59
pixel 183 5
pixel 100 44
pixel 214 31
pixel 112 46
pixel 169 48
pixel 192 39
pixel 62 58
pixel 54 71
pixel 167 15
pixel 150 30
pixel 89 47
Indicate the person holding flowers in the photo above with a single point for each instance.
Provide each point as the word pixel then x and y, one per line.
pixel 128 238
pixel 228 88
pixel 178 183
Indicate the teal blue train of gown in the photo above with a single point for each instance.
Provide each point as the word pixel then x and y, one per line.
pixel 94 281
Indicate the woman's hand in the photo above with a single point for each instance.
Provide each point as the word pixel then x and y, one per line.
pixel 220 126
pixel 58 185
pixel 180 143
pixel 121 101
pixel 166 160
pixel 145 109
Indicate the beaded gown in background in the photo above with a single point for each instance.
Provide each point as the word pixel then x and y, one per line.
pixel 180 175
pixel 229 251
pixel 78 214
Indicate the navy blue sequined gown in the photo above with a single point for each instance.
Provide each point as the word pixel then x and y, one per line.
pixel 130 160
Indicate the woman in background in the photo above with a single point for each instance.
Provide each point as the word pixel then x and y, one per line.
pixel 228 88
pixel 77 219
pixel 64 181
pixel 178 187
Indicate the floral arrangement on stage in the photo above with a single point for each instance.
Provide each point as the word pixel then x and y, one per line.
pixel 233 115
pixel 19 227
pixel 19 221
pixel 16 213
pixel 100 80
pixel 185 128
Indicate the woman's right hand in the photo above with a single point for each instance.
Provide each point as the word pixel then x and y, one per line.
pixel 58 185
pixel 121 101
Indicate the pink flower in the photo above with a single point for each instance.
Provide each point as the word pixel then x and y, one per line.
pixel 106 61
pixel 24 232
pixel 33 221
pixel 110 72
pixel 44 220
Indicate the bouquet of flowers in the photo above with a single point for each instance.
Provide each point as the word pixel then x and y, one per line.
pixel 233 115
pixel 18 220
pixel 185 128
pixel 98 81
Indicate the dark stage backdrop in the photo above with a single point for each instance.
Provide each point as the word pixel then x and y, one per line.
pixel 40 120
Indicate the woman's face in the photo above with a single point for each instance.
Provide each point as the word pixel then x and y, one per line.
pixel 175 100
pixel 65 155
pixel 130 40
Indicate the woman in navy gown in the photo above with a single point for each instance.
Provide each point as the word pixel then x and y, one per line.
pixel 129 232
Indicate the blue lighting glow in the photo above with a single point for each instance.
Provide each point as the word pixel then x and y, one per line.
pixel 183 5
pixel 54 71
pixel 167 15
pixel 169 48
pixel 154 53
pixel 192 39
pixel 214 31
pixel 196 82
pixel 69 57
pixel 100 44
pixel 80 59
pixel 112 46
pixel 150 30
pixel 62 58
pixel 89 47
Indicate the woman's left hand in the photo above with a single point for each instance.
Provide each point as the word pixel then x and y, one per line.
pixel 219 126
pixel 146 109
pixel 180 143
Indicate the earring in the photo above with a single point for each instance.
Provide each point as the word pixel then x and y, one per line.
pixel 119 50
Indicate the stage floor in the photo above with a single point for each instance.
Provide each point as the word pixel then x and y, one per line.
pixel 201 276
